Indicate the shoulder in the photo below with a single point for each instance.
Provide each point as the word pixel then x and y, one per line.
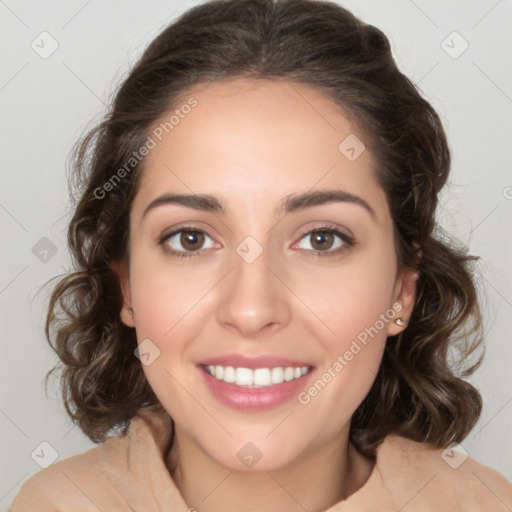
pixel 423 478
pixel 117 475
pixel 79 483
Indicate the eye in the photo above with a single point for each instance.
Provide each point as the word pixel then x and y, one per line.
pixel 327 241
pixel 190 241
pixel 185 241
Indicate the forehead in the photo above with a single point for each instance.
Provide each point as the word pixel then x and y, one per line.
pixel 256 141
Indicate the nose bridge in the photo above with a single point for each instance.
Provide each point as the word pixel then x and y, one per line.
pixel 252 297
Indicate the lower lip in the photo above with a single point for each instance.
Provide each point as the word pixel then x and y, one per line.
pixel 254 399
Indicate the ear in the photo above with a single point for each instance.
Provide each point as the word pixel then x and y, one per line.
pixel 122 270
pixel 405 296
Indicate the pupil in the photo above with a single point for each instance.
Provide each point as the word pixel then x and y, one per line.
pixel 321 238
pixel 189 240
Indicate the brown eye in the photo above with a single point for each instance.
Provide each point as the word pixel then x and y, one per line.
pixel 322 240
pixel 191 240
pixel 184 242
pixel 326 241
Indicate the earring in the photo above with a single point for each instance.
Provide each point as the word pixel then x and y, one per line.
pixel 131 311
pixel 399 321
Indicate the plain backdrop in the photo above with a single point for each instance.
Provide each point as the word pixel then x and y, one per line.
pixel 47 101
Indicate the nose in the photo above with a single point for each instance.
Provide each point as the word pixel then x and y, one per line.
pixel 254 300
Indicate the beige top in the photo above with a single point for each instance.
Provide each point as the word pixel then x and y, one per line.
pixel 129 474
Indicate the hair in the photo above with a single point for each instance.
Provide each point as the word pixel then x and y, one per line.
pixel 418 393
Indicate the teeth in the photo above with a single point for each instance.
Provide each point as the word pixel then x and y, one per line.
pixel 219 372
pixel 289 374
pixel 261 377
pixel 229 374
pixel 277 375
pixel 244 377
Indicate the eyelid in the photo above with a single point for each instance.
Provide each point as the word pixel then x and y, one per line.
pixel 327 226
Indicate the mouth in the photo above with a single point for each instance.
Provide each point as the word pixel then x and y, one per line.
pixel 254 384
pixel 256 378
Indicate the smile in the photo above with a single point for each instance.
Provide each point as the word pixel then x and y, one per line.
pixel 256 378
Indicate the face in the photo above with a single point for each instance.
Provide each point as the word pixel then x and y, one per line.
pixel 257 278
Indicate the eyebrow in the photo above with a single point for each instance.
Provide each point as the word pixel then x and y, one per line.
pixel 208 203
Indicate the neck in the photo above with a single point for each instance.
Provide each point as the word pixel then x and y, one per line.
pixel 314 482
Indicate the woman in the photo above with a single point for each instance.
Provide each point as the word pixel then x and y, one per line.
pixel 262 305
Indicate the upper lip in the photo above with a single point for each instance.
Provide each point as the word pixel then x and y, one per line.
pixel 263 361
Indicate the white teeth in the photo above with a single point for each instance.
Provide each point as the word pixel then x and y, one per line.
pixel 244 377
pixel 289 374
pixel 277 375
pixel 260 377
pixel 219 372
pixel 229 374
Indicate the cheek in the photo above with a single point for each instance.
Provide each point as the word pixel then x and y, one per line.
pixel 171 308
pixel 358 318
pixel 167 304
pixel 355 306
pixel 163 297
pixel 349 300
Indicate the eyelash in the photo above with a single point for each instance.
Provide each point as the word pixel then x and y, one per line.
pixel 348 242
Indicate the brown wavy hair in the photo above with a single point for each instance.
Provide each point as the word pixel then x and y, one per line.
pixel 420 391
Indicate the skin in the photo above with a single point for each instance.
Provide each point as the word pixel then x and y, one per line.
pixel 251 144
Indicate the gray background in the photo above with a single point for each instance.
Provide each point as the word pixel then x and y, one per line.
pixel 46 103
